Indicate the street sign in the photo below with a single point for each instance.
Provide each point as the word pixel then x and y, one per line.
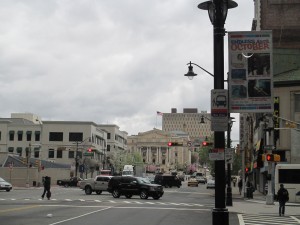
pixel 219 110
pixel 216 154
pixel 88 154
pixel 269 147
pixel 229 155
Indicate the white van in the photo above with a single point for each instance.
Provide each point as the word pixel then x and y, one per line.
pixel 128 170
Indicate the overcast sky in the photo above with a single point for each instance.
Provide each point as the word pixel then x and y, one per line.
pixel 108 61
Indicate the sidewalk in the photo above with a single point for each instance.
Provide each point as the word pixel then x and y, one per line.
pixel 258 205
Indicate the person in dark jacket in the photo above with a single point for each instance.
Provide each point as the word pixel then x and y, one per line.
pixel 47 184
pixel 240 184
pixel 283 197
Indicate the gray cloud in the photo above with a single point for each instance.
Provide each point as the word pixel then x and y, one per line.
pixel 107 61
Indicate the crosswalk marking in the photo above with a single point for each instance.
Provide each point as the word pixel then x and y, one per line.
pixel 111 201
pixel 259 219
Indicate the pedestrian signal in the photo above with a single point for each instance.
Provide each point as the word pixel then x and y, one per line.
pixel 246 169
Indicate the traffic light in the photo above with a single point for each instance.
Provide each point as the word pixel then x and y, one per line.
pixel 24 160
pixel 246 170
pixel 37 163
pixel 206 143
pixel 171 144
pixel 90 150
pixel 270 157
pixel 277 158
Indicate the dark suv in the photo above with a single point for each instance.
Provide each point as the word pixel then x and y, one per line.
pixel 167 180
pixel 129 186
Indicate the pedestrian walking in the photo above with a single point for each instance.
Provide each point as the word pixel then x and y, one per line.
pixel 240 184
pixel 234 179
pixel 283 197
pixel 47 185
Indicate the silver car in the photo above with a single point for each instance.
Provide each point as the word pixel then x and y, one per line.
pixel 210 184
pixel 4 185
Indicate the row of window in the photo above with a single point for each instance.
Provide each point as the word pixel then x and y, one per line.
pixel 19 135
pixel 51 153
pixel 53 136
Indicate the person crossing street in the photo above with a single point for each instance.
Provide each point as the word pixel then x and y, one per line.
pixel 283 197
pixel 47 184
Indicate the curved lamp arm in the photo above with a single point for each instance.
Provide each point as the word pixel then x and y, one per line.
pixel 190 63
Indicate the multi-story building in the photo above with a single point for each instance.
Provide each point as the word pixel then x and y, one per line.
pixel 156 154
pixel 279 129
pixel 196 125
pixel 72 143
pixel 116 143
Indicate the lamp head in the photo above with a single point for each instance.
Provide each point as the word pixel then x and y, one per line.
pixel 210 6
pixel 190 74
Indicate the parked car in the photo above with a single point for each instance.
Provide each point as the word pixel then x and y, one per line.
pixel 167 180
pixel 193 182
pixel 210 184
pixel 4 185
pixel 72 182
pixel 129 186
pixel 201 179
pixel 97 184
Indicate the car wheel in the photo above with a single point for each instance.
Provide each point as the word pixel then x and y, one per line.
pixel 144 194
pixel 88 190
pixel 98 192
pixel 66 185
pixel 7 190
pixel 166 186
pixel 116 193
pixel 178 186
pixel 128 196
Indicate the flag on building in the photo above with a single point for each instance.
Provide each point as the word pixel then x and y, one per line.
pixel 159 113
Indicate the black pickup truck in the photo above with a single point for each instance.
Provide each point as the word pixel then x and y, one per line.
pixel 72 182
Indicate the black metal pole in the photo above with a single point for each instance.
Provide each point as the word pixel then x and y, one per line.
pixel 229 189
pixel 76 159
pixel 220 214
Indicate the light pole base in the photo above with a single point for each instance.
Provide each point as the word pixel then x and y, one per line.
pixel 220 216
pixel 270 199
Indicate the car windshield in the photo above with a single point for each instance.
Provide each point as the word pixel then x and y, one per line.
pixel 1 179
pixel 143 180
pixel 127 173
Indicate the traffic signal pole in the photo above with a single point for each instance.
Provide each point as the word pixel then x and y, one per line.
pixel 269 197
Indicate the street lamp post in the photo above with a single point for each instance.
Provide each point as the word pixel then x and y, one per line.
pixel 229 189
pixel 28 154
pixel 77 157
pixel 217 10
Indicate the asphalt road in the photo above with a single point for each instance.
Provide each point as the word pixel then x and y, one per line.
pixel 178 206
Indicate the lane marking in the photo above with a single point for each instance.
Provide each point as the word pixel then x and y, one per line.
pixel 17 209
pixel 293 217
pixel 241 220
pixel 76 217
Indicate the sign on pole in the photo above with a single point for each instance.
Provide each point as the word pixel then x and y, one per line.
pixel 229 155
pixel 250 71
pixel 216 154
pixel 219 110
